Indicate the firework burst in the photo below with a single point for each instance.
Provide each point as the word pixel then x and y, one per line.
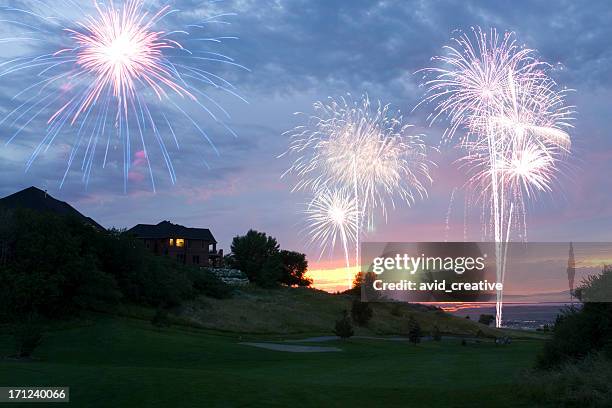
pixel 353 143
pixel 332 216
pixel 515 121
pixel 116 75
pixel 367 150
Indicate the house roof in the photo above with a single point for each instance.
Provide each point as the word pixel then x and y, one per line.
pixel 35 199
pixel 166 229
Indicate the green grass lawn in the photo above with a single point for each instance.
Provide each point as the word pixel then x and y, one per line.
pixel 128 363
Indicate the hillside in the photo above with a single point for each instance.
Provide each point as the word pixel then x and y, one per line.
pixel 302 310
pixel 35 199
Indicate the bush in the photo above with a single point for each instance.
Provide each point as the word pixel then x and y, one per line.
pixel 361 312
pixel 28 336
pixel 585 384
pixel 576 334
pixel 344 328
pixel 436 334
pixel 580 332
pixel 84 268
pixel 486 319
pixel 208 284
pixel 414 331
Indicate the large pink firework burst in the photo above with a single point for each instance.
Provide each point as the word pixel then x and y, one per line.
pixel 119 74
pixel 120 50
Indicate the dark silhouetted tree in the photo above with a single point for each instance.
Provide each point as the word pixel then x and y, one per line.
pixel 486 319
pixel 414 331
pixel 579 332
pixel 252 251
pixel 361 312
pixel 295 267
pixel 436 334
pixel 344 328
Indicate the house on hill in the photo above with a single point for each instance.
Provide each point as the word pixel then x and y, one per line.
pixel 191 246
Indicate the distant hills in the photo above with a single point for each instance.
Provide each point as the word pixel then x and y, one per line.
pixel 35 199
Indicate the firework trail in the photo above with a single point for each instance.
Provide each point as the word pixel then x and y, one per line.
pixel 516 126
pixel 113 73
pixel 362 149
pixel 331 216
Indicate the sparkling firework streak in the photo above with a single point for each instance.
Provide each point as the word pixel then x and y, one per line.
pixel 367 150
pixel 333 216
pixel 516 126
pixel 112 74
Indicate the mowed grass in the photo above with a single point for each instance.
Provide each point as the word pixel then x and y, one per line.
pixel 119 362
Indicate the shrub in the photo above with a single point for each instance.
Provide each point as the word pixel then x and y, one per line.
pixel 486 319
pixel 361 312
pixel 28 336
pixel 580 332
pixel 414 331
pixel 585 384
pixel 208 284
pixel 576 334
pixel 84 268
pixel 344 328
pixel 436 334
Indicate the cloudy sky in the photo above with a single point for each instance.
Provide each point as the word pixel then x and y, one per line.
pixel 298 52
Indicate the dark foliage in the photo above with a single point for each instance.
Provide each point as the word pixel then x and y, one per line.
pixel 436 334
pixel 486 319
pixel 344 327
pixel 260 258
pixel 363 286
pixel 55 266
pixel 361 312
pixel 579 332
pixel 414 331
pixel 206 283
pixel 295 266
pixel 251 252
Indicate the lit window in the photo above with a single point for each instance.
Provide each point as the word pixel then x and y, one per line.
pixel 171 242
pixel 180 242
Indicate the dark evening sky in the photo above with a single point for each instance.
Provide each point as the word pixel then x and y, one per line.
pixel 300 51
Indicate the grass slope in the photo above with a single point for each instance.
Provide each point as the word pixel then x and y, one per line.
pixel 301 310
pixel 119 362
